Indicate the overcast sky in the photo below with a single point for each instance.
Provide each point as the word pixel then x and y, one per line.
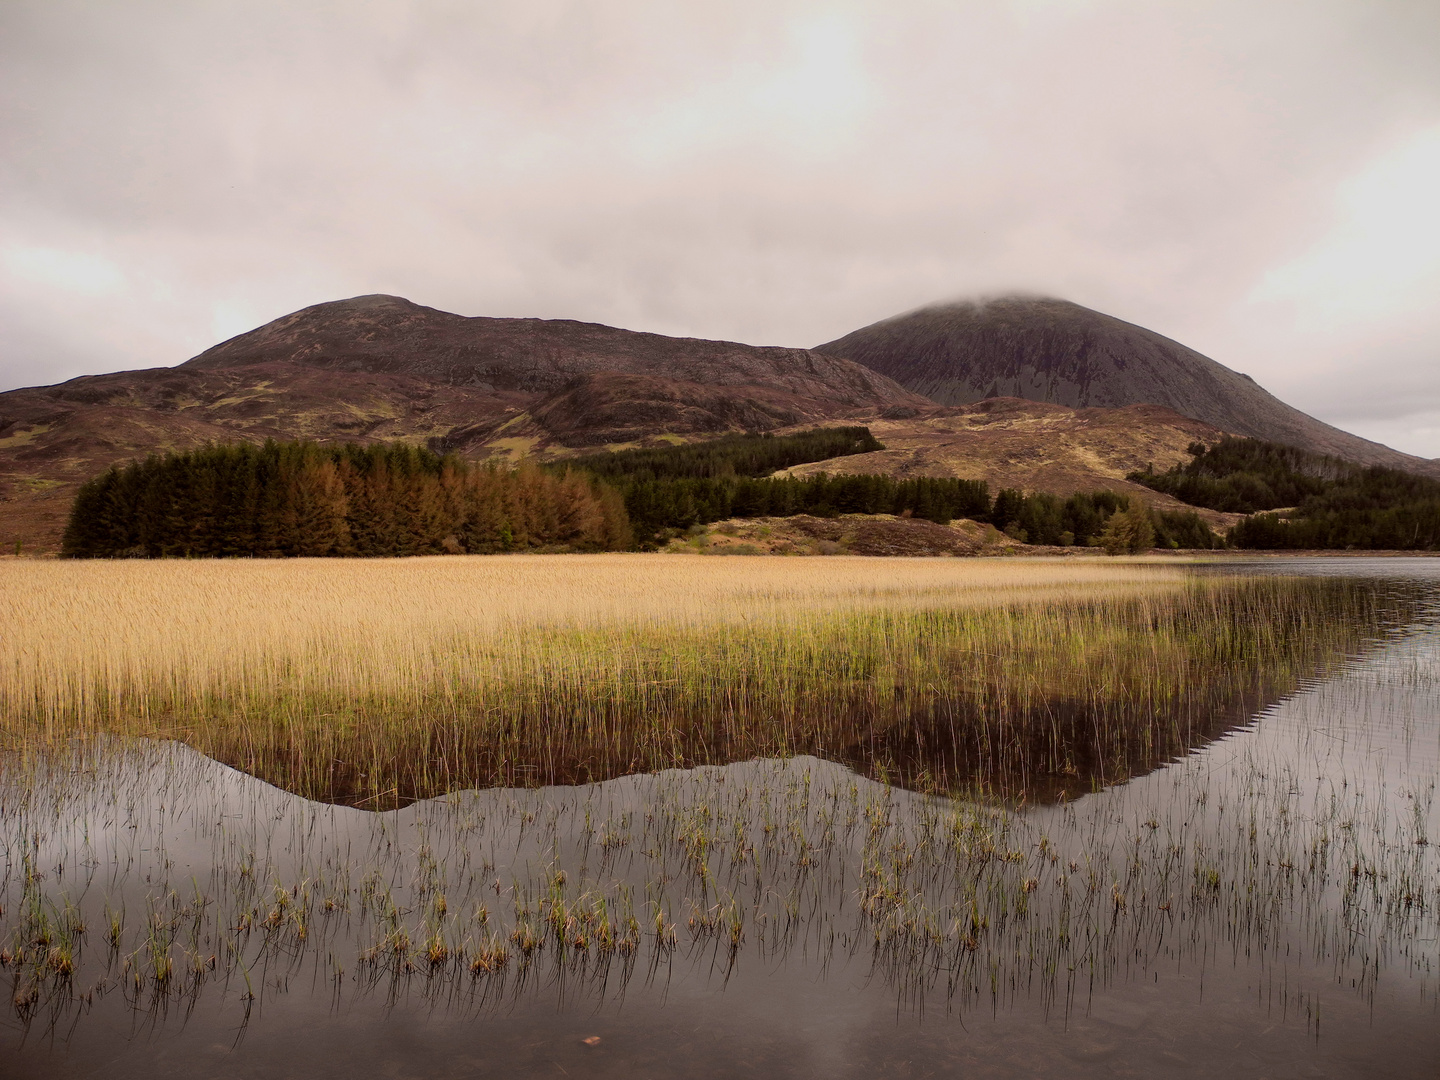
pixel 1259 180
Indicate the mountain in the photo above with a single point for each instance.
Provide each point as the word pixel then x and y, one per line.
pixel 375 368
pixel 380 367
pixel 1055 351
pixel 390 335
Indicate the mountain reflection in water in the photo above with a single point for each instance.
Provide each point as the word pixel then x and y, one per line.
pixel 1268 904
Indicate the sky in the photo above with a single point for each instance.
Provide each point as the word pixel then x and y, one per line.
pixel 1257 179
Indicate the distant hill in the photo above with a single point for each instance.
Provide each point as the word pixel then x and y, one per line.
pixel 1055 351
pixel 376 368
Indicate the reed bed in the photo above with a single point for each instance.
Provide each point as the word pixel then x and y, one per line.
pixel 141 883
pixel 379 682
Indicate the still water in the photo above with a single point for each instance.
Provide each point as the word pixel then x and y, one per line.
pixel 1269 906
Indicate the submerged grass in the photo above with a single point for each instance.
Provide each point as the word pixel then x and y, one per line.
pixel 381 682
pixel 485 899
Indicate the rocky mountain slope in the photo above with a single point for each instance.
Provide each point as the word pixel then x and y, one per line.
pixel 1054 351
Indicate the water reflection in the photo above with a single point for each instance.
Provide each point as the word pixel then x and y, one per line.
pixel 1268 904
pixel 1017 702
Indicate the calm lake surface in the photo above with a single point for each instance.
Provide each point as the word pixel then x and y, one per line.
pixel 1268 906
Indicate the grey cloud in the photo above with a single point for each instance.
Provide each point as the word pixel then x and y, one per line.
pixel 774 173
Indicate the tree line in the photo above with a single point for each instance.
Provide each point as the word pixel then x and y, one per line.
pixel 1244 476
pixel 656 506
pixel 660 507
pixel 302 499
pixel 671 489
pixel 730 455
pixel 1412 526
pixel 1092 519
pixel 1330 503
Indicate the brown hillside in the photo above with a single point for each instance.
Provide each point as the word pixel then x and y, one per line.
pixel 1034 446
pixel 1052 350
pixel 381 368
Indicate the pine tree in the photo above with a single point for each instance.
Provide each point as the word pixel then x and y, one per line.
pixel 1129 531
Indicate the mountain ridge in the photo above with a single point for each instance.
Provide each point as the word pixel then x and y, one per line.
pixel 382 368
pixel 378 333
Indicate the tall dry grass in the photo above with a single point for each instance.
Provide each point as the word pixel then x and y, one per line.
pixel 80 640
pixel 386 680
